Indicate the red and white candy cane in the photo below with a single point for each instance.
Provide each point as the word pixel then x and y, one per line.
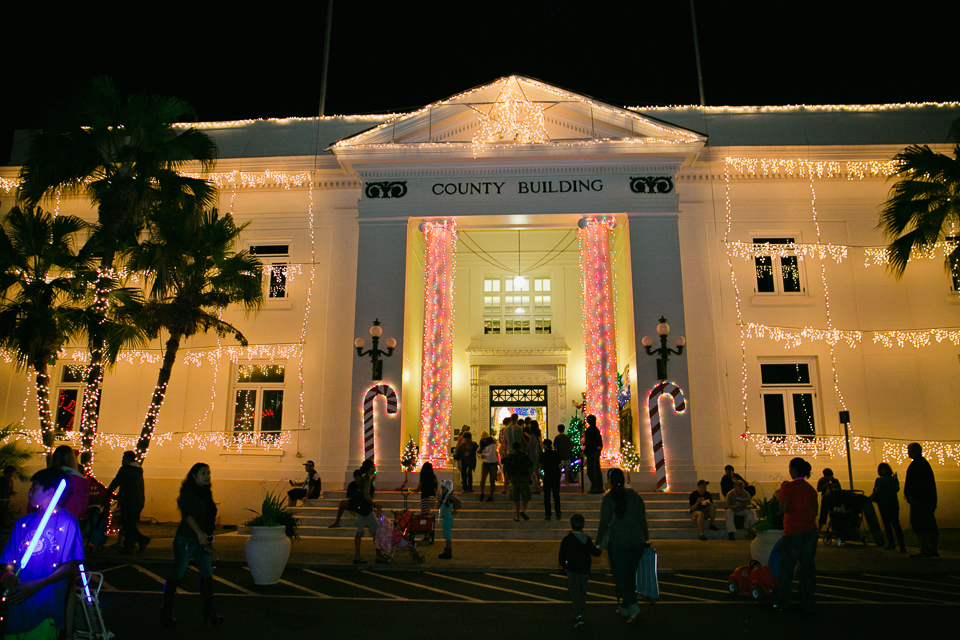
pixel 390 396
pixel 663 388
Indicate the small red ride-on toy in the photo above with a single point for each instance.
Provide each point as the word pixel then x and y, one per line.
pixel 754 580
pixel 739 581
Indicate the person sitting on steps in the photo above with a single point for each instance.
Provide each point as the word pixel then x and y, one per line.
pixel 702 507
pixel 352 489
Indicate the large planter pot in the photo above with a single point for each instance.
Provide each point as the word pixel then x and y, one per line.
pixel 267 551
pixel 763 544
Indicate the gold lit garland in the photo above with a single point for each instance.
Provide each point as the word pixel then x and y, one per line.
pixel 768 250
pixel 800 107
pixel 879 256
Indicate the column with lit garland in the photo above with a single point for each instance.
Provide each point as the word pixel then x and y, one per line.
pixel 599 328
pixel 436 367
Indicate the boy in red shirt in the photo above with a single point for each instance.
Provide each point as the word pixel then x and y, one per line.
pixel 798 504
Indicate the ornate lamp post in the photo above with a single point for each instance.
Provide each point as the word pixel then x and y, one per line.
pixel 374 352
pixel 663 330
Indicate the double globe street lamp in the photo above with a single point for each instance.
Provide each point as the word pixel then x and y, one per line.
pixel 374 351
pixel 663 330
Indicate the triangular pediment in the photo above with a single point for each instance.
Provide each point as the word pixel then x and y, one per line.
pixel 519 112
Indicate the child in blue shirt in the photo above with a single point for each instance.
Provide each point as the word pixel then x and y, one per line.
pixel 36 597
pixel 449 505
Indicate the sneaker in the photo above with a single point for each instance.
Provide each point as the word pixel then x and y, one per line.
pixel 578 622
pixel 714 527
pixel 558 515
pixel 703 537
pixel 524 515
pixel 549 517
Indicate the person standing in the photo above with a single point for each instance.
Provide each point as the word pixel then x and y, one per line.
pixel 518 465
pixel 365 509
pixel 130 497
pixel 309 489
pixel 920 490
pixel 78 489
pixel 592 447
pixel 798 504
pixel 449 506
pixel 193 541
pixel 534 447
pixel 466 454
pixel 489 462
pixel 550 464
pixel 563 445
pixel 623 516
pixel 885 490
pixel 575 558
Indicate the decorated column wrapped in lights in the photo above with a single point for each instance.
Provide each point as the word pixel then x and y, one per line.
pixel 599 328
pixel 437 358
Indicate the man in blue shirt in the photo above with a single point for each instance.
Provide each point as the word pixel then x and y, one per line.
pixel 37 596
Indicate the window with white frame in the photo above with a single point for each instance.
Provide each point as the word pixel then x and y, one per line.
pixel 276 269
pixel 258 398
pixel 512 308
pixel 71 380
pixel 778 275
pixel 788 390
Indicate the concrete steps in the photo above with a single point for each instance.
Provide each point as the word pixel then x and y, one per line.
pixel 667 516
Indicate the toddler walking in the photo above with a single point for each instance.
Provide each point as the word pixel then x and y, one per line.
pixel 575 559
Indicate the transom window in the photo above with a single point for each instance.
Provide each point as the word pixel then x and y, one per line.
pixel 789 394
pixel 511 308
pixel 778 275
pixel 258 396
pixel 275 268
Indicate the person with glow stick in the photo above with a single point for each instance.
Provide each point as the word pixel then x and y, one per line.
pixel 41 559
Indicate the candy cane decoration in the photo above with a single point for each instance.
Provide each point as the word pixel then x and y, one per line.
pixel 653 405
pixel 390 395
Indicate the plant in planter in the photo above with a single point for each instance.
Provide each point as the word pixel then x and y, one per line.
pixel 769 529
pixel 268 548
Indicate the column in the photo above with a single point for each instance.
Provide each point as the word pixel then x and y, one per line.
pixel 436 369
pixel 600 329
pixel 658 291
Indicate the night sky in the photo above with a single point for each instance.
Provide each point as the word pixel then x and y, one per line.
pixel 266 61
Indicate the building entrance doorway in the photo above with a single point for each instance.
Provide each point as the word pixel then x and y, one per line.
pixel 525 401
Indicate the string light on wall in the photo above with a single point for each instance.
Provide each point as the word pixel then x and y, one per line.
pixel 751 250
pixel 307 305
pixel 801 107
pixel 932 450
pixel 796 337
pixel 879 256
pixel 920 338
pixel 736 296
pixel 599 321
pixel 512 118
pixel 437 351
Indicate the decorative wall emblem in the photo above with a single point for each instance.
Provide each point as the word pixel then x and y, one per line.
pixel 651 184
pixel 390 189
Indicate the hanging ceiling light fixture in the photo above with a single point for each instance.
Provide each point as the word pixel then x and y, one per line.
pixel 519 282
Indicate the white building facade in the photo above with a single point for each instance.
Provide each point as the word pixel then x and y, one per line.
pixel 752 231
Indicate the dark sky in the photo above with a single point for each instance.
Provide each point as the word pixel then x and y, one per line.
pixel 266 60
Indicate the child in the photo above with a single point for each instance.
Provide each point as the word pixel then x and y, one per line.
pixel 575 552
pixel 449 506
pixel 37 595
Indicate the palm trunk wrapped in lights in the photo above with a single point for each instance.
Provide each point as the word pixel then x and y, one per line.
pixel 156 401
pixel 600 331
pixel 43 407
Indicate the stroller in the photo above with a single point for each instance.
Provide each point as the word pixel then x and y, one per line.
pixel 394 535
pixel 846 519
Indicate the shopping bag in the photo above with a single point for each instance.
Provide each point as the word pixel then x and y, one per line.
pixel 647 585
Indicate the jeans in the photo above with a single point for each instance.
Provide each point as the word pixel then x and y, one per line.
pixel 594 473
pixel 551 486
pixel 797 547
pixel 129 521
pixel 183 550
pixel 577 585
pixel 891 523
pixel 624 562
pixel 466 478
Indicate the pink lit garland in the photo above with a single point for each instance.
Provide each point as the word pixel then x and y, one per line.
pixel 437 356
pixel 599 329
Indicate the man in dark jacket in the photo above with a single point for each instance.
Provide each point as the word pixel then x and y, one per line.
pixel 920 490
pixel 130 497
pixel 592 446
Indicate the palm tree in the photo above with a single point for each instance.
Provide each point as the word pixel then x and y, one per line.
pixel 126 155
pixel 924 204
pixel 197 274
pixel 13 453
pixel 39 313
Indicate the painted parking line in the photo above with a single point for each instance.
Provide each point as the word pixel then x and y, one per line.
pixel 895 586
pixel 820 580
pixel 151 574
pixel 423 586
pixel 928 582
pixel 490 586
pixel 886 593
pixel 286 582
pixel 693 586
pixel 357 585
pixel 119 566
pixel 540 584
pixel 228 583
